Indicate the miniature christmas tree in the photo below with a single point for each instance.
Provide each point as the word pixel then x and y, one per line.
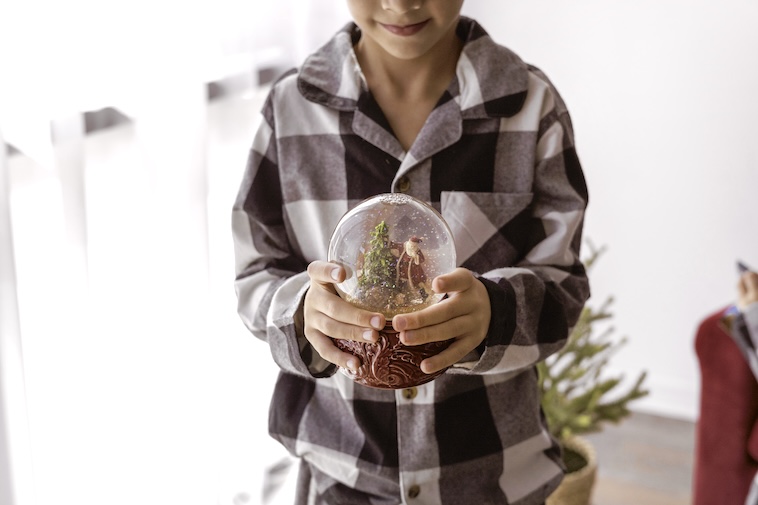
pixel 379 262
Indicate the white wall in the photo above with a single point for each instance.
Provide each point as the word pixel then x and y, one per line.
pixel 662 98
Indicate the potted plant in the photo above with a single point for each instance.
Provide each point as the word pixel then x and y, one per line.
pixel 577 398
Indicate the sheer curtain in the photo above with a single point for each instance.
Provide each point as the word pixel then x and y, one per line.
pixel 140 384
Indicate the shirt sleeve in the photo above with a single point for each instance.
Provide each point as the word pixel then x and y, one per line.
pixel 537 301
pixel 270 278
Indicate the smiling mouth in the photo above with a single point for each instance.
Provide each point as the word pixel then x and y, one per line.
pixel 405 30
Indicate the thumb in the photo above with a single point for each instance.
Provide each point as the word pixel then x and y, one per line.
pixel 459 279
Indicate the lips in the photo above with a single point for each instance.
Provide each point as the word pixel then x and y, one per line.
pixel 406 30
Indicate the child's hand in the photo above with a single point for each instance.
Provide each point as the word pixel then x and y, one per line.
pixel 747 289
pixel 464 315
pixel 327 316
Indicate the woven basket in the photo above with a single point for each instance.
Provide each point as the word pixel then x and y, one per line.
pixel 576 487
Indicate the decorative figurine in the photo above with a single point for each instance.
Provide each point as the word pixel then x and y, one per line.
pixel 409 266
pixel 391 247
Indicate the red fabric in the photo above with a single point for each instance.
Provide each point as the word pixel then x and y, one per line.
pixel 726 451
pixel 752 444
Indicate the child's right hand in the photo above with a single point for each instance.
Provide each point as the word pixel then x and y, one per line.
pixel 327 316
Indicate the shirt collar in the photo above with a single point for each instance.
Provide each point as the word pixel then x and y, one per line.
pixel 491 80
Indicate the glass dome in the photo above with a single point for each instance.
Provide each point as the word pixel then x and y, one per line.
pixel 392 246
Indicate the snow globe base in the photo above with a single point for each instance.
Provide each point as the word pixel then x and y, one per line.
pixel 388 363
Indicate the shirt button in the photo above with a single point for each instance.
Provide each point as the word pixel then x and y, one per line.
pixel 410 393
pixel 403 184
pixel 414 491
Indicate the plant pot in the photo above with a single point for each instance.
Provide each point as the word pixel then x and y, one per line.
pixel 577 486
pixel 387 363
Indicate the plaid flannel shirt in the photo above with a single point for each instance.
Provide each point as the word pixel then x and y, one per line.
pixel 496 157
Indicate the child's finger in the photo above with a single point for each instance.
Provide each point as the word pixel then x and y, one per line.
pixel 448 357
pixel 364 329
pixel 462 301
pixel 330 352
pixel 322 299
pixel 459 279
pixel 430 316
pixel 326 272
pixel 445 330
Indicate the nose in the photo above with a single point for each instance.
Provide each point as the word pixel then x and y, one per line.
pixel 401 6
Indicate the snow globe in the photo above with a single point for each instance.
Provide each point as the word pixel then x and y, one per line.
pixel 391 246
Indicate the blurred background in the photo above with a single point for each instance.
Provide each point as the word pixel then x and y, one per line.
pixel 126 375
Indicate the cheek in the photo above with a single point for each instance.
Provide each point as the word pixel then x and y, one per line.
pixel 360 10
pixel 449 11
pixel 453 7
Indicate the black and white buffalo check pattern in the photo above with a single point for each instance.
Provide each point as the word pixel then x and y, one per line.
pixel 496 158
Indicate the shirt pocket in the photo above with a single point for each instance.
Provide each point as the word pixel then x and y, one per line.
pixel 474 218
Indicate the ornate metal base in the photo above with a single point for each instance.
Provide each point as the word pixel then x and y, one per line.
pixel 388 363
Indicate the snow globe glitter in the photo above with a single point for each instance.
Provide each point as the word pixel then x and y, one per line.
pixel 391 246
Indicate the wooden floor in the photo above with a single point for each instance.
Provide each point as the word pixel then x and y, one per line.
pixel 645 460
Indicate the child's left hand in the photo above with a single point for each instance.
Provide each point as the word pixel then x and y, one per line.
pixel 464 315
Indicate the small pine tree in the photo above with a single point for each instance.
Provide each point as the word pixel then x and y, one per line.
pixel 574 392
pixel 379 262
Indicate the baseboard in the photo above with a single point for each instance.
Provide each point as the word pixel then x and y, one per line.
pixel 670 397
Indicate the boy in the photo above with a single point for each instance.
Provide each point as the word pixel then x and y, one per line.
pixel 411 97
